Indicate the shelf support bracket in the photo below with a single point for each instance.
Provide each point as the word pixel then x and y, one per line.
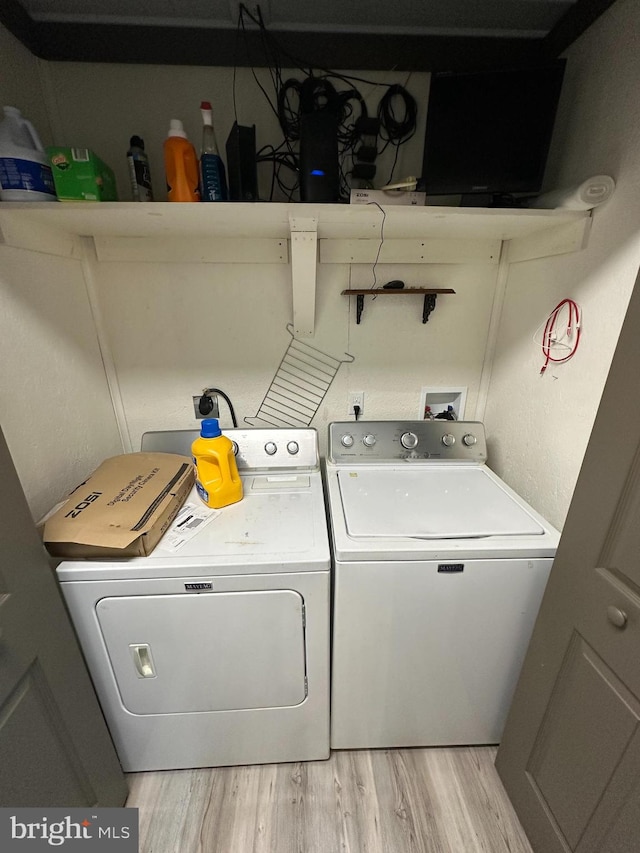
pixel 304 263
pixel 428 305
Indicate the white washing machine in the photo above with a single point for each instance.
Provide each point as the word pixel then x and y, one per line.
pixel 217 653
pixel 439 571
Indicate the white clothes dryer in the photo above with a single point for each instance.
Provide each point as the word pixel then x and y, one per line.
pixel 439 571
pixel 217 653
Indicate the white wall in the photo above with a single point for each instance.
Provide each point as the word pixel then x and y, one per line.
pixel 55 409
pixel 539 426
pixel 177 328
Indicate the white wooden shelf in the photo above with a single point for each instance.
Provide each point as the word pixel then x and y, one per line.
pixel 303 234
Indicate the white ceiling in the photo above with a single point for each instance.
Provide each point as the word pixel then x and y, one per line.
pixel 489 18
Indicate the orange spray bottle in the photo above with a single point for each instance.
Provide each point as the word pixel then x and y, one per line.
pixel 181 165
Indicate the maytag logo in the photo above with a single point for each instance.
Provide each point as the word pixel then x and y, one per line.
pixel 197 587
pixel 33 829
pixel 450 568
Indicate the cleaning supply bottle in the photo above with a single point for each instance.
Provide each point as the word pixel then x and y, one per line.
pixel 181 165
pixel 213 179
pixel 139 172
pixel 25 172
pixel 217 478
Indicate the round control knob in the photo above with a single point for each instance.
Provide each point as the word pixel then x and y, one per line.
pixel 448 440
pixel 409 440
pixel 369 440
pixel 235 448
pixel 293 447
pixel 347 440
pixel 469 440
pixel 270 448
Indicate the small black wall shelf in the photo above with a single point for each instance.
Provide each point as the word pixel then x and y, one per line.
pixel 430 295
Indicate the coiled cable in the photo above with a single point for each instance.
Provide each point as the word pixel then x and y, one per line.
pixel 567 340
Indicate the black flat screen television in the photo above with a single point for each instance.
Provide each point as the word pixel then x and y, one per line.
pixel 489 132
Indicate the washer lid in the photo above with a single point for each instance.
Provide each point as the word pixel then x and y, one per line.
pixel 439 502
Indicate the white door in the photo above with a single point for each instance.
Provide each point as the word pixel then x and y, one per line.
pixel 55 749
pixel 570 756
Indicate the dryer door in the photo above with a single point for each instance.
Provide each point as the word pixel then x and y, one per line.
pixel 220 651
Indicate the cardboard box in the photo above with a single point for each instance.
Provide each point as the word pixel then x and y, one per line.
pixel 383 197
pixel 80 175
pixel 123 509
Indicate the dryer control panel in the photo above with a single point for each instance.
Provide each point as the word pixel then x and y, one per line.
pixel 286 448
pixel 414 441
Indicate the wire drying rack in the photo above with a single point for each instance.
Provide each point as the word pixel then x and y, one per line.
pixel 299 386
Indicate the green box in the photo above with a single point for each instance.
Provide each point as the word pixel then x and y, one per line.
pixel 80 175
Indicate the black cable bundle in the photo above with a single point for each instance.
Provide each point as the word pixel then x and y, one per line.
pixel 397 130
pixel 316 92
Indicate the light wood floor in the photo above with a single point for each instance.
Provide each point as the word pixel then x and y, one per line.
pixel 381 801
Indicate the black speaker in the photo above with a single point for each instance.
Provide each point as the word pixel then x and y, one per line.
pixel 242 170
pixel 319 173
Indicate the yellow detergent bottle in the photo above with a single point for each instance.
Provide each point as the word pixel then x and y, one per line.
pixel 217 478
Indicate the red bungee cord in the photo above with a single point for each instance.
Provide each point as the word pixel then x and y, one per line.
pixel 551 338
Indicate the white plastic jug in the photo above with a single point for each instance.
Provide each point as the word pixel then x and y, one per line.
pixel 25 173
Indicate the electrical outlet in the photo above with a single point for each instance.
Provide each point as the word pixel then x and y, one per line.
pixel 252 8
pixel 215 411
pixel 355 398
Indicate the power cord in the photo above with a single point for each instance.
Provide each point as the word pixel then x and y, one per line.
pixel 356 411
pixel 398 129
pixel 205 406
pixel 566 340
pixel 375 263
pixel 397 124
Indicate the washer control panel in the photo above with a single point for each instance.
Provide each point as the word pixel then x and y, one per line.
pixel 414 441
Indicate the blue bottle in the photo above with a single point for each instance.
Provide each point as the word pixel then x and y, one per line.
pixel 213 179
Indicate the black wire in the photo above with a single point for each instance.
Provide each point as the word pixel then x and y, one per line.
pixel 235 68
pixel 397 129
pixel 243 12
pixel 395 160
pixel 279 159
pixel 208 391
pixel 299 63
pixel 315 92
pixel 375 263
pixel 275 72
pixel 289 117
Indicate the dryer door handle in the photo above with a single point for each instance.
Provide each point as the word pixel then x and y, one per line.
pixel 143 660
